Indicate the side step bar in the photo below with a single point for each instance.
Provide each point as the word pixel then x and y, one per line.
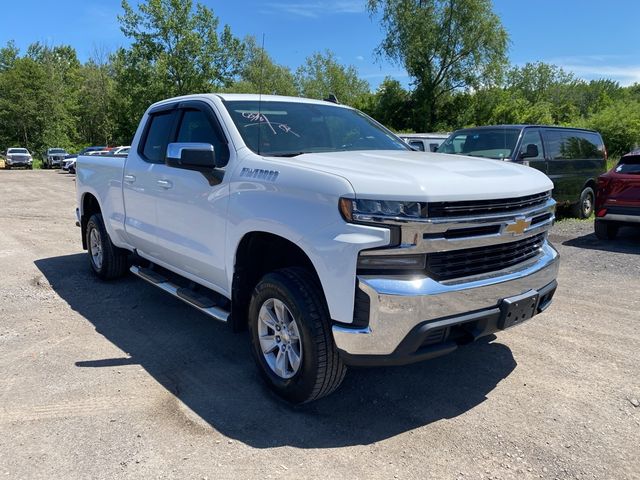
pixel 205 304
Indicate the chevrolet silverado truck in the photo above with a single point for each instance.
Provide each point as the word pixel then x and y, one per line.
pixel 320 232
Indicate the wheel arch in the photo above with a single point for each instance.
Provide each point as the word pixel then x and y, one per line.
pixel 258 253
pixel 89 206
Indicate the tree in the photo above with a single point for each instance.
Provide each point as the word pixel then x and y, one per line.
pixel 96 94
pixel 322 75
pixel 391 105
pixel 176 49
pixel 182 45
pixel 259 73
pixel 619 125
pixel 445 46
pixel 8 56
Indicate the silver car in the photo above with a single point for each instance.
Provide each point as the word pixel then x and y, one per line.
pixel 18 157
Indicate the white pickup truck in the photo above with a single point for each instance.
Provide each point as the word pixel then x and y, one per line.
pixel 321 232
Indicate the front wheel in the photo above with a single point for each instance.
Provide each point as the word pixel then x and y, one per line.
pixel 291 336
pixel 107 260
pixel 584 208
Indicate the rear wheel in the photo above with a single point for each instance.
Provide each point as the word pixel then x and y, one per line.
pixel 584 208
pixel 107 260
pixel 291 336
pixel 606 230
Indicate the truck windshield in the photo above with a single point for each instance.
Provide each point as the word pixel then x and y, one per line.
pixel 495 143
pixel 60 151
pixel 288 129
pixel 17 150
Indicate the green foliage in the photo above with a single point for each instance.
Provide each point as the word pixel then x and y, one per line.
pixel 181 46
pixel 259 73
pixel 619 124
pixel 453 50
pixel 322 75
pixel 445 46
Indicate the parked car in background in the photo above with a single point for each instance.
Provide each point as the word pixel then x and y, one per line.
pixel 618 197
pixel 571 157
pixel 53 157
pixel 425 142
pixel 18 157
pixel 86 150
pixel 121 151
pixel 69 164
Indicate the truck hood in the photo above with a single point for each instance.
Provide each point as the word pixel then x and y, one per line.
pixel 434 177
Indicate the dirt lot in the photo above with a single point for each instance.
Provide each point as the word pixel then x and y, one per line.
pixel 119 380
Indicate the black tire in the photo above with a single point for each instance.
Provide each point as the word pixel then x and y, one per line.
pixel 586 204
pixel 8 167
pixel 321 369
pixel 114 261
pixel 45 166
pixel 605 230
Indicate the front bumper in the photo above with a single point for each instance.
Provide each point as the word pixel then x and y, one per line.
pixel 415 319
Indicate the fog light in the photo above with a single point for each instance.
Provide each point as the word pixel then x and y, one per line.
pixel 391 262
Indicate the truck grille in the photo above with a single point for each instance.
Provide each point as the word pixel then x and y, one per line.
pixel 485 207
pixel 476 261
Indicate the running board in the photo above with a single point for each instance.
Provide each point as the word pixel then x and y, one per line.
pixel 200 302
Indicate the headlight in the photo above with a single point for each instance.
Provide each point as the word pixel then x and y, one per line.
pixel 378 211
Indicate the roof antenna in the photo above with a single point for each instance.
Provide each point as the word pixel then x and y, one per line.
pixel 260 97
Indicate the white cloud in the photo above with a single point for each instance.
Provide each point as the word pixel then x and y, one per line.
pixel 315 9
pixel 360 58
pixel 622 69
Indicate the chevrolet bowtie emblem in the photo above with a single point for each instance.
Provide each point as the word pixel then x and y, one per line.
pixel 518 227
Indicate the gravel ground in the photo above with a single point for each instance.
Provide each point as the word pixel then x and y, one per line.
pixel 118 380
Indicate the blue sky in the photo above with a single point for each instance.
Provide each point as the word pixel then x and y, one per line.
pixel 591 38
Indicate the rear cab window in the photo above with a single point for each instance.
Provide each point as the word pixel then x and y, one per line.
pixel 629 164
pixel 417 144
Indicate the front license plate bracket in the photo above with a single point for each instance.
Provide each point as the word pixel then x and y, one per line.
pixel 518 309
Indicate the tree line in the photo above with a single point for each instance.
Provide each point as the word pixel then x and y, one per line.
pixel 455 52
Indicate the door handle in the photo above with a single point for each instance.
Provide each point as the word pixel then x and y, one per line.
pixel 129 178
pixel 165 184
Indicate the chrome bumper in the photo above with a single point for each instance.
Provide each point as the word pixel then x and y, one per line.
pixel 397 306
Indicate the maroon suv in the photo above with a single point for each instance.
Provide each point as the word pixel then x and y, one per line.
pixel 618 197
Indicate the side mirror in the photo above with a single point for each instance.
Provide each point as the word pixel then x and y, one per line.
pixel 433 147
pixel 531 151
pixel 192 156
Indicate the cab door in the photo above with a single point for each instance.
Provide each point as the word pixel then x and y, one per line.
pixel 139 183
pixel 192 205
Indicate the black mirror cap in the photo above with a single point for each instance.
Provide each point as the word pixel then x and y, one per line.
pixel 531 151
